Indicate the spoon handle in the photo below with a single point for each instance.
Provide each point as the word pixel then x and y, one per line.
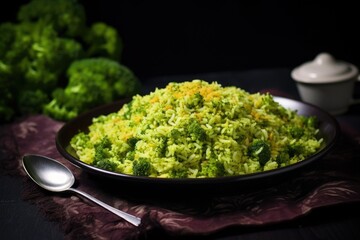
pixel 128 217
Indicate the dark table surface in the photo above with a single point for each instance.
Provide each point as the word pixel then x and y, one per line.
pixel 22 220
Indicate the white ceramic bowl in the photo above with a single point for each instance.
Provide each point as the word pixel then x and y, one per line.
pixel 327 83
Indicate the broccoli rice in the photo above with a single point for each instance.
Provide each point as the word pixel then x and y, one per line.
pixel 197 129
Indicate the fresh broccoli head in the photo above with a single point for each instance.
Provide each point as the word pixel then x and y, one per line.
pixel 35 55
pixel 32 64
pixel 141 167
pixel 67 17
pixel 92 82
pixel 47 56
pixel 260 150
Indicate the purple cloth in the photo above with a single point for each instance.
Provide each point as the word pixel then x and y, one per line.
pixel 335 180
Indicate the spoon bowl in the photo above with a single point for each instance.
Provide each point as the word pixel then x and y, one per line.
pixel 48 174
pixel 56 177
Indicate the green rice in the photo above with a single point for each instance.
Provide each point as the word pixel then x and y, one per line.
pixel 197 129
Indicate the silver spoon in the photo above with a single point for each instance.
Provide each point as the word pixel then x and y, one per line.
pixel 56 177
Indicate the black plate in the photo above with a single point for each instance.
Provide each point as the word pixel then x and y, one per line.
pixel 329 130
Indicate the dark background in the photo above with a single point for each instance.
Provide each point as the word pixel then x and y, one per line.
pixel 190 37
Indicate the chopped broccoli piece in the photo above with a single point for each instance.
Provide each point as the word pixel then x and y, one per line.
pixel 195 130
pixel 260 150
pixel 296 132
pixel 141 167
pixel 102 157
pixel 311 122
pixel 283 157
pixel 197 100
pixel 179 173
pixel 295 149
pixel 132 142
pixel 213 168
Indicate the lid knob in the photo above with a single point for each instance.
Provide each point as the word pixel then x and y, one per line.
pixel 324 69
pixel 324 58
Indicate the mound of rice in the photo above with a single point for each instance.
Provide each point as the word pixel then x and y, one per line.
pixel 197 129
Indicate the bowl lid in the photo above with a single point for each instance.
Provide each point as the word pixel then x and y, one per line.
pixel 324 69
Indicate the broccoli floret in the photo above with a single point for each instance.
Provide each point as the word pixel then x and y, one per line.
pixel 260 150
pixel 141 167
pixel 132 142
pixel 47 57
pixel 35 55
pixel 103 40
pixel 296 132
pixel 58 111
pixel 295 149
pixel 34 63
pixel 197 100
pixel 213 168
pixel 179 173
pixel 92 82
pixel 196 132
pixel 311 122
pixel 122 79
pixel 67 17
pixel 289 152
pixel 283 157
pixel 102 158
pixel 32 101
